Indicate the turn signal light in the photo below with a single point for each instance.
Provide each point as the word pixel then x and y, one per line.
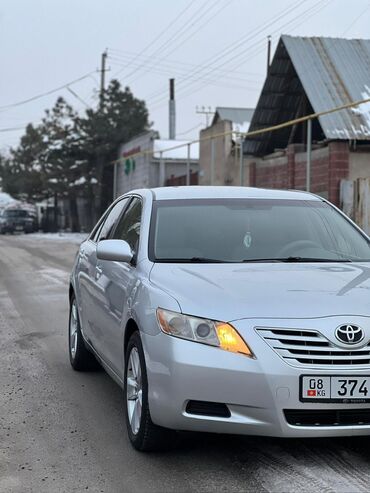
pixel 230 340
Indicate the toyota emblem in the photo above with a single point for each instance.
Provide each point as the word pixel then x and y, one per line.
pixel 349 334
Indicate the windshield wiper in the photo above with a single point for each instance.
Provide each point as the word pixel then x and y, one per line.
pixel 195 260
pixel 297 260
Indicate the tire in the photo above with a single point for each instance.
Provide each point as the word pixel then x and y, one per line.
pixel 144 435
pixel 80 358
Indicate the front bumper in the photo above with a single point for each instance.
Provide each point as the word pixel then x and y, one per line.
pixel 256 391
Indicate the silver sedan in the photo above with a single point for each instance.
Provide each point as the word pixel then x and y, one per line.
pixel 227 310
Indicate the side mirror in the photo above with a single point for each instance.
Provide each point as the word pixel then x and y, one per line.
pixel 116 250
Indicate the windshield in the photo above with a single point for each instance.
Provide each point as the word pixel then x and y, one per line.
pixel 15 213
pixel 247 230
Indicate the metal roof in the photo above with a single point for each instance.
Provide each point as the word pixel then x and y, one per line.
pixel 235 115
pixel 326 72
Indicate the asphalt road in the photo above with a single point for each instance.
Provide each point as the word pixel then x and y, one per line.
pixel 62 431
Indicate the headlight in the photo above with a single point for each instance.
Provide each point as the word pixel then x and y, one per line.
pixel 218 334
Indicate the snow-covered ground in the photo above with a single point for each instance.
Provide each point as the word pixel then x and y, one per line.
pixel 68 237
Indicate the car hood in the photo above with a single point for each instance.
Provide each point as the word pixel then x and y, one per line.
pixel 235 291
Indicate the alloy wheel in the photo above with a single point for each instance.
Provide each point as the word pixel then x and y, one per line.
pixel 134 394
pixel 73 329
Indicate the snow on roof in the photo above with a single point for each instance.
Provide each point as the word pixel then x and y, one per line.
pixel 178 153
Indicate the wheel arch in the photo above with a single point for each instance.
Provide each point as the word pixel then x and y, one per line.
pixel 131 327
pixel 71 291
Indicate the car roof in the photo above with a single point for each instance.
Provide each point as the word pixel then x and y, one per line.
pixel 207 192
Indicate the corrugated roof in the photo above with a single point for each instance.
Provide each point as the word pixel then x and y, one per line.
pixel 235 115
pixel 328 72
pixel 334 72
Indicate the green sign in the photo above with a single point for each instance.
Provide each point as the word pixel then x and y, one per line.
pixel 129 166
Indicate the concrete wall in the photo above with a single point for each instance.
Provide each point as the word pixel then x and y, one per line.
pixel 226 157
pixel 141 177
pixel 222 150
pixel 359 164
pixel 172 169
pixel 146 173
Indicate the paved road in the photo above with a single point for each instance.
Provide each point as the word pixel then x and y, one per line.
pixel 62 431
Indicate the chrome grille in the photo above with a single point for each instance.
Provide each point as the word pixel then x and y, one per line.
pixel 309 347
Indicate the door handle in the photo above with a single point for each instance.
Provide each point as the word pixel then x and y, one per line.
pixel 98 272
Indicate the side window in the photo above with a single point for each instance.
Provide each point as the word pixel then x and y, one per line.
pixel 128 228
pixel 111 220
pixel 95 232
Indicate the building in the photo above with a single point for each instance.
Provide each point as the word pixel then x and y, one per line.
pixel 145 162
pixel 219 145
pixel 309 75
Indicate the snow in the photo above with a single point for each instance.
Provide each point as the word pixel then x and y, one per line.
pixel 241 127
pixel 6 199
pixel 178 153
pixel 80 181
pixel 76 238
pixel 364 109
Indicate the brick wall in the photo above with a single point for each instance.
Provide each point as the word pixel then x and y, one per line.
pixel 177 181
pixel 287 169
pixel 338 169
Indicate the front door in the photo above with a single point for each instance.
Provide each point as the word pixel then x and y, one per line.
pixel 95 300
pixel 117 280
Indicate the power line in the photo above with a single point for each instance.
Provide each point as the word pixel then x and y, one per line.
pixel 214 81
pixel 315 9
pixel 239 43
pixel 47 93
pixel 237 56
pixel 78 97
pixel 160 34
pixel 190 130
pixel 188 24
pixel 12 129
pixel 192 33
pixel 355 20
pixel 180 65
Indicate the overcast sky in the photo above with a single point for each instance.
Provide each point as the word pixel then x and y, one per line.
pixel 215 49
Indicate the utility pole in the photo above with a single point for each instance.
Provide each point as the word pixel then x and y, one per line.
pixel 102 77
pixel 204 111
pixel 212 174
pixel 98 199
pixel 308 155
pixel 268 53
pixel 241 161
pixel 188 166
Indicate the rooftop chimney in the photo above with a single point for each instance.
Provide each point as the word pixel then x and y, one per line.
pixel 172 111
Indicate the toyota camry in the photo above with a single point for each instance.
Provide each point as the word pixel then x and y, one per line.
pixel 227 310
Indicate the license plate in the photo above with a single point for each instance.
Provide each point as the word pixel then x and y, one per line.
pixel 335 388
pixel 19 228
